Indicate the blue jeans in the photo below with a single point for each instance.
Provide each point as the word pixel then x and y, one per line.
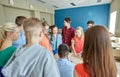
pixel 55 51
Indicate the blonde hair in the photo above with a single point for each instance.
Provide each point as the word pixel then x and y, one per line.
pixel 80 29
pixel 8 27
pixel 30 26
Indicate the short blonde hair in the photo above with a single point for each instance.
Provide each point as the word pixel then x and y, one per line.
pixel 31 26
pixel 80 29
pixel 8 27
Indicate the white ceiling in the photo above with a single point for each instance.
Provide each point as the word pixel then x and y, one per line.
pixel 62 4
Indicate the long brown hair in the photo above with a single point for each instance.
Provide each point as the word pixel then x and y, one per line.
pixel 97 53
pixel 52 32
pixel 82 33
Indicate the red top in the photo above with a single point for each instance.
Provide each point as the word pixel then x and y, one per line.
pixel 79 42
pixel 67 35
pixel 79 68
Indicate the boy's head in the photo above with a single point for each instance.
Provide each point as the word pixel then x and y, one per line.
pixel 67 21
pixel 63 51
pixel 33 29
pixel 90 23
pixel 19 21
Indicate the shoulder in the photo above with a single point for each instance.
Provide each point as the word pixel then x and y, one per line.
pixel 71 64
pixel 64 28
pixel 78 66
pixel 11 48
pixel 43 51
pixel 72 28
pixel 59 35
pixel 8 49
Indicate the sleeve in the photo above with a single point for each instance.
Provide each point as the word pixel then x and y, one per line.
pixel 63 40
pixel 73 33
pixel 60 37
pixel 73 41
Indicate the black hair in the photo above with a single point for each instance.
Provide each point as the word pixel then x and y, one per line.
pixel 68 20
pixel 63 50
pixel 90 22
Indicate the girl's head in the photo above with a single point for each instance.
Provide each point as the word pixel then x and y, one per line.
pixel 45 28
pixel 67 22
pixel 33 29
pixel 54 30
pixel 79 32
pixel 97 52
pixel 9 30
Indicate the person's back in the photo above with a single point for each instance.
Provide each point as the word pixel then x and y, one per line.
pixel 65 66
pixel 8 33
pixel 39 63
pixel 6 54
pixel 32 60
pixel 98 60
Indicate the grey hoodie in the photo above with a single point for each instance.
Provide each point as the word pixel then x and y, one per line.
pixel 34 61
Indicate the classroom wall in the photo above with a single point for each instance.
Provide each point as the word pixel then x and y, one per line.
pixel 9 12
pixel 80 15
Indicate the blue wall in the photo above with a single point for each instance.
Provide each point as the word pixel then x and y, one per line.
pixel 79 16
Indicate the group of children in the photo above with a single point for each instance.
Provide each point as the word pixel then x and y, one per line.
pixel 33 58
pixel 73 38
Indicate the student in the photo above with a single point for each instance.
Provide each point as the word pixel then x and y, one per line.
pixel 21 41
pixel 9 32
pixel 32 60
pixel 78 41
pixel 98 60
pixel 45 28
pixel 67 32
pixel 55 39
pixel 66 67
pixel 90 23
pixel 45 40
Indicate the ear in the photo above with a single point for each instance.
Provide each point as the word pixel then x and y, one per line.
pixel 41 33
pixel 8 34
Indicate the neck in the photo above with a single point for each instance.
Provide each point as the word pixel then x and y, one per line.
pixel 55 35
pixel 68 26
pixel 78 36
pixel 6 43
pixel 31 42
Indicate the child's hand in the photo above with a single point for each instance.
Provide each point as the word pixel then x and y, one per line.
pixel 75 54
